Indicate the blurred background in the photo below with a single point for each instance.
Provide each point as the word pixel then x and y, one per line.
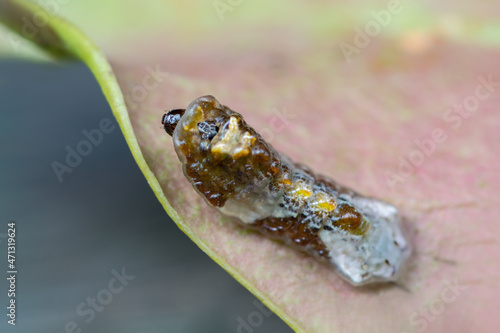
pixel 77 233
pixel 103 216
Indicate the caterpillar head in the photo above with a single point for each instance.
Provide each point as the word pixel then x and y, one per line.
pixel 222 156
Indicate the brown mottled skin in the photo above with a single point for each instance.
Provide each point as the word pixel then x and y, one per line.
pixel 219 177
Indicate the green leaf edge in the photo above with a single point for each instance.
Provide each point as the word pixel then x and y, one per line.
pixel 74 44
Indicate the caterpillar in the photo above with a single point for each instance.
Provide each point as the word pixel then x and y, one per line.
pixel 236 171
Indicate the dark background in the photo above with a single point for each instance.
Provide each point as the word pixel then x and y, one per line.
pixel 102 216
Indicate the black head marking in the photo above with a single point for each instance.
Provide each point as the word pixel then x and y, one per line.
pixel 170 120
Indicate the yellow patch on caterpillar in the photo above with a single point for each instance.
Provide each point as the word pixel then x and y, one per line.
pixel 327 206
pixel 241 153
pixel 303 193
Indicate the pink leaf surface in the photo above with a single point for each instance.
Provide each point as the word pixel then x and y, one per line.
pixel 412 119
pixel 355 122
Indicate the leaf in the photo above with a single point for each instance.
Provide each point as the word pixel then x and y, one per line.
pixel 387 123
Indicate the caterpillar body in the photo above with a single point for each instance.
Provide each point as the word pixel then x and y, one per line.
pixel 238 172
